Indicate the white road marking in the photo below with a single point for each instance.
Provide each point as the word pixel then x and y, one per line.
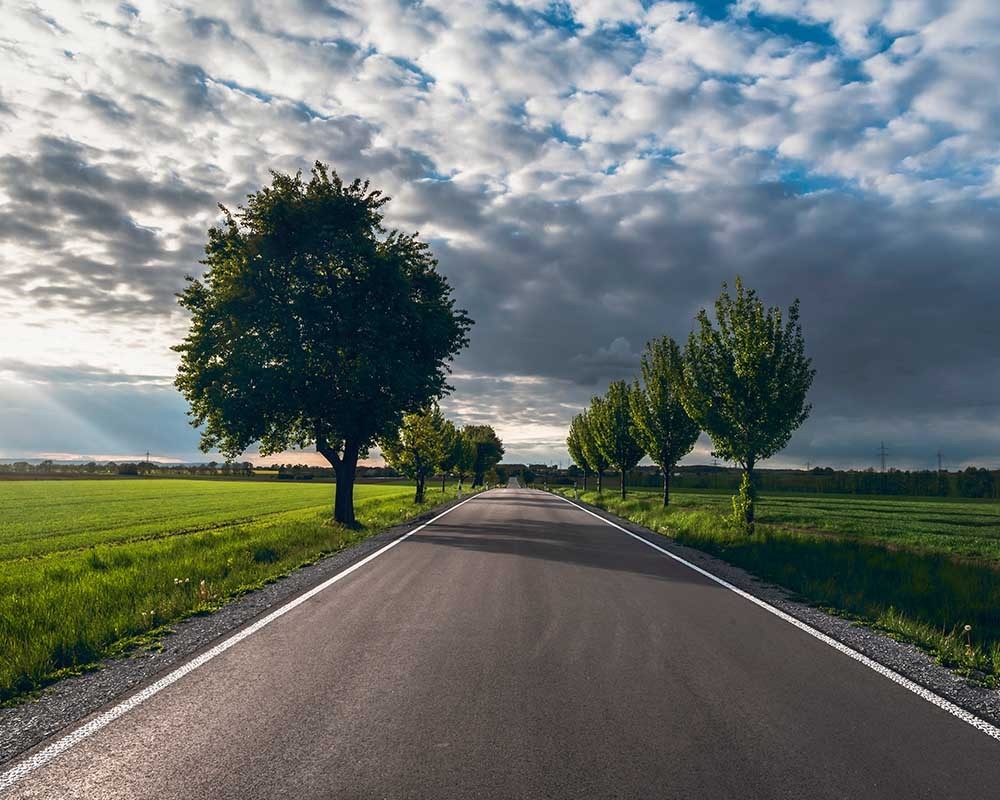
pixel 42 757
pixel 881 669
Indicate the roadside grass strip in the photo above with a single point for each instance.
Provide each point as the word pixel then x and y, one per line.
pixel 47 754
pixel 946 705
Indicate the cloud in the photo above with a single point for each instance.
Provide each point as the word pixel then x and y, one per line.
pixel 588 173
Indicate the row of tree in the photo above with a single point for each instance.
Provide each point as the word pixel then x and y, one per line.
pixel 742 379
pixel 427 444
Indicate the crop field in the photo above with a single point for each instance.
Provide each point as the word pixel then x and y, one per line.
pixel 951 526
pixel 922 569
pixel 90 568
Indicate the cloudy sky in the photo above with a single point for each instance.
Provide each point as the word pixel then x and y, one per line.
pixel 588 173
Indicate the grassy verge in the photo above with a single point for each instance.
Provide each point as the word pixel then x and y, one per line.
pixel 60 612
pixel 911 590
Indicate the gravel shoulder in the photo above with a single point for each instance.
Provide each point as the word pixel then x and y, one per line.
pixel 906 659
pixel 64 704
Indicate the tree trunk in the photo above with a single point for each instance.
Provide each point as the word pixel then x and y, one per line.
pixel 346 467
pixel 600 480
pixel 666 486
pixel 443 476
pixel 623 483
pixel 343 507
pixel 419 498
pixel 585 480
pixel 751 498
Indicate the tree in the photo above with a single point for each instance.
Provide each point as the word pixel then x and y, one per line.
pixel 449 451
pixel 418 446
pixel 661 426
pixel 595 458
pixel 611 425
pixel 574 443
pixel 313 325
pixel 489 450
pixel 464 456
pixel 745 383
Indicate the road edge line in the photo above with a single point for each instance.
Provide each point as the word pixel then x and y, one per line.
pixel 931 697
pixel 24 768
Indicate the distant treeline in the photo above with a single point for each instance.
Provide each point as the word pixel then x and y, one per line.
pixel 55 469
pixel 971 482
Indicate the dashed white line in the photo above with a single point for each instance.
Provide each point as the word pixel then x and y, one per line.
pixel 881 669
pixel 42 757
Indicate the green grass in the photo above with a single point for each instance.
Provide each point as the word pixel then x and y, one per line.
pixel 88 568
pixel 919 569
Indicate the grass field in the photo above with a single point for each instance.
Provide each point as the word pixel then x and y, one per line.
pixel 921 569
pixel 90 568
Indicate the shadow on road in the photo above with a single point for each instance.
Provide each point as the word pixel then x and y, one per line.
pixel 580 544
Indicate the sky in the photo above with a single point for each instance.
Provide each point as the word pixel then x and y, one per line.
pixel 587 173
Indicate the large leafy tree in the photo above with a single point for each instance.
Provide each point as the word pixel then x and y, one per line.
pixel 314 325
pixel 661 426
pixel 488 447
pixel 591 452
pixel 418 446
pixel 745 383
pixel 611 423
pixel 574 443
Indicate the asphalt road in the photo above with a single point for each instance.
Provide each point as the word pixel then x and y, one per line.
pixel 519 647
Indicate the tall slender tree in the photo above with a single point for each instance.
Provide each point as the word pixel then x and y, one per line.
pixel 574 443
pixel 591 452
pixel 464 456
pixel 661 425
pixel 313 325
pixel 745 383
pixel 449 451
pixel 611 423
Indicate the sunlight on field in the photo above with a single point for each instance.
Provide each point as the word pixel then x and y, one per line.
pixel 86 567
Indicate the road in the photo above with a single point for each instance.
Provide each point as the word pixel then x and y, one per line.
pixel 519 647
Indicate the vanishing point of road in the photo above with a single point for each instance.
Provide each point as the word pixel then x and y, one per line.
pixel 519 647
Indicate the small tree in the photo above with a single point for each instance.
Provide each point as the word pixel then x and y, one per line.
pixel 449 440
pixel 464 454
pixel 489 450
pixel 661 425
pixel 745 383
pixel 595 458
pixel 417 447
pixel 611 423
pixel 574 443
pixel 312 325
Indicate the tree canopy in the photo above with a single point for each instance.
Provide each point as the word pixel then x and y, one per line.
pixel 488 447
pixel 611 424
pixel 314 325
pixel 575 442
pixel 661 426
pixel 745 382
pixel 420 444
pixel 591 452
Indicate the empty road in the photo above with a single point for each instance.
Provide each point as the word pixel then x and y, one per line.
pixel 519 648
